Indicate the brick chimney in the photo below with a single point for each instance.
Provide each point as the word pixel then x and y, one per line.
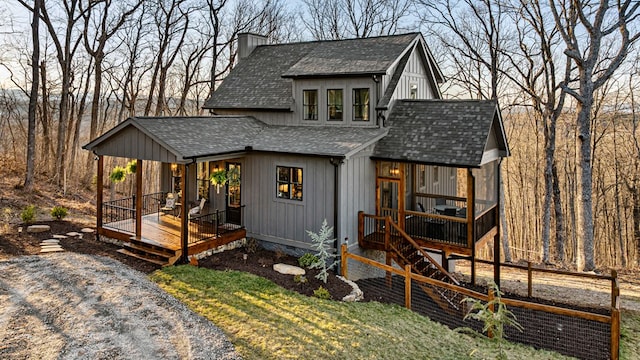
pixel 247 42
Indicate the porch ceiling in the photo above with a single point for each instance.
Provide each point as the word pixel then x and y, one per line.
pixel 443 132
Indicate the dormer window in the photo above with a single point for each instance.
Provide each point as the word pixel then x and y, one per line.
pixel 310 104
pixel 360 104
pixel 334 104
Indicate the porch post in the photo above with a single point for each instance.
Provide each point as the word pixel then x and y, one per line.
pixel 496 237
pixel 401 195
pixel 138 199
pixel 99 196
pixel 377 189
pixel 184 218
pixel 471 214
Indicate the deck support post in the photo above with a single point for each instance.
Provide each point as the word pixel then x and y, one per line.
pixel 138 199
pixel 99 195
pixel 471 214
pixel 401 195
pixel 184 218
pixel 496 237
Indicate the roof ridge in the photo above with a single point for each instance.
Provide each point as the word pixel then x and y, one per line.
pixel 415 33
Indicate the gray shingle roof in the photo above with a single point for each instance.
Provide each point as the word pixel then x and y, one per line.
pixel 189 137
pixel 353 56
pixel 311 140
pixel 262 80
pixel 257 82
pixel 446 132
pixel 197 136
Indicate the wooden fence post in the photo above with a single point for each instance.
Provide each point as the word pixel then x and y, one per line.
pixel 529 279
pixel 491 309
pixel 615 316
pixel 343 260
pixel 407 286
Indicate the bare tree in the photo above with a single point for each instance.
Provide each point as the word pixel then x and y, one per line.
pixel 33 96
pixel 475 45
pixel 585 27
pixel 538 72
pixel 338 19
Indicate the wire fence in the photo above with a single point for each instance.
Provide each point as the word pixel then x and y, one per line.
pixel 584 333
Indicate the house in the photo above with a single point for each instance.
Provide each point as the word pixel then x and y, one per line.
pixel 352 131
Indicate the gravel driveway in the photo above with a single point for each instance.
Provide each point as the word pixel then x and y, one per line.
pixel 71 306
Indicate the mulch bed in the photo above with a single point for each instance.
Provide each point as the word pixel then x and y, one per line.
pixel 259 262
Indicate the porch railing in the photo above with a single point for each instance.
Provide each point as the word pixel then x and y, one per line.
pixel 215 224
pixel 120 214
pixel 430 227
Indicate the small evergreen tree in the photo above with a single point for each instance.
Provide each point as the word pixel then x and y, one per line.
pixel 322 245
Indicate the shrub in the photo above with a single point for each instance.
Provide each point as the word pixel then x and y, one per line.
pixel 494 320
pixel 118 174
pixel 58 212
pixel 322 293
pixel 300 279
pixel 251 245
pixel 322 243
pixel 28 215
pixel 307 260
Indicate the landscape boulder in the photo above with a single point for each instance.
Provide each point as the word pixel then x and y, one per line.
pixel 288 269
pixel 38 228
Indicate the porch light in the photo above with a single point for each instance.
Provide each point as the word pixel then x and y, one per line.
pixel 395 171
pixel 174 167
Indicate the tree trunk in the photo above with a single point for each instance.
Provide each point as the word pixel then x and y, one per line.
pixel 559 215
pixel 584 182
pixel 47 146
pixel 33 96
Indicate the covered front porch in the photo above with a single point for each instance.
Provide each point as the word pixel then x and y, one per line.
pixel 142 221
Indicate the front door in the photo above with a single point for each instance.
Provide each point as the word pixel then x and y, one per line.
pixel 233 194
pixel 388 198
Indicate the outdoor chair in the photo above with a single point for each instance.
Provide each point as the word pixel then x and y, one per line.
pixel 198 209
pixel 169 205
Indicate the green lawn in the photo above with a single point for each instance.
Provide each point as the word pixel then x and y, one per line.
pixel 629 335
pixel 265 321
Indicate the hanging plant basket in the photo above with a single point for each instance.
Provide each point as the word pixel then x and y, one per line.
pixel 219 178
pixel 118 174
pixel 132 166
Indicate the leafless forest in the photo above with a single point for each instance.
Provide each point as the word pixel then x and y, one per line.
pixel 566 75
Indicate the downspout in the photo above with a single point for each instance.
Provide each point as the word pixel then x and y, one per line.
pixel 496 239
pixel 336 162
pixel 379 115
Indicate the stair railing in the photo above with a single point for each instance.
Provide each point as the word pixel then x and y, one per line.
pixel 389 223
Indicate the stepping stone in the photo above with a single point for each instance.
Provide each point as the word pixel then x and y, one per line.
pixel 38 228
pixel 50 241
pixel 50 246
pixel 288 269
pixel 87 230
pixel 59 236
pixel 73 233
pixel 58 249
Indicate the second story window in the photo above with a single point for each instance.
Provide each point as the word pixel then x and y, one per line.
pixel 334 104
pixel 310 104
pixel 361 104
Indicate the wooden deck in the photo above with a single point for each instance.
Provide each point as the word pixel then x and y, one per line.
pixel 163 231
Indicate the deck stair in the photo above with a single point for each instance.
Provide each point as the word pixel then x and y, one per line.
pixel 405 251
pixel 150 251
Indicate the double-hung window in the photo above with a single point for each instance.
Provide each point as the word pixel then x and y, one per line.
pixel 360 104
pixel 334 104
pixel 310 104
pixel 289 183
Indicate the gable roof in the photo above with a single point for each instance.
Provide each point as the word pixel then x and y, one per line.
pixel 263 80
pixel 180 139
pixel 442 132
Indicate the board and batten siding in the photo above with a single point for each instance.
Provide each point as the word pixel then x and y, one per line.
pixel 284 221
pixel 357 193
pixel 134 144
pixel 414 73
